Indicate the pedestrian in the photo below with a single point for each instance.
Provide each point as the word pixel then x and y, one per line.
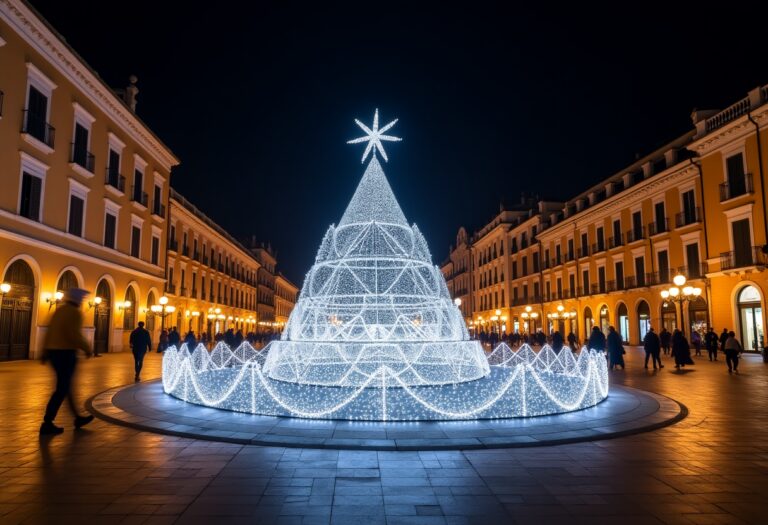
pixel 710 342
pixel 62 340
pixel 665 337
pixel 162 345
pixel 174 339
pixel 557 341
pixel 696 340
pixel 141 343
pixel 681 350
pixel 615 349
pixel 596 340
pixel 190 340
pixel 723 339
pixel 732 348
pixel 572 341
pixel 652 346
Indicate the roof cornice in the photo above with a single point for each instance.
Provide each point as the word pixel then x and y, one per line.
pixel 36 32
pixel 736 129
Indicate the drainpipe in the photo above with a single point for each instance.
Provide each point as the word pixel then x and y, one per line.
pixel 762 176
pixel 707 284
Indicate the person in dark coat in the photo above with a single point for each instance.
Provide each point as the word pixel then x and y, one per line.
pixel 710 343
pixel 652 346
pixel 596 340
pixel 557 341
pixel 732 349
pixel 163 342
pixel 681 350
pixel 723 339
pixel 229 338
pixel 174 339
pixel 190 340
pixel 572 341
pixel 666 339
pixel 141 343
pixel 615 349
pixel 239 338
pixel 696 340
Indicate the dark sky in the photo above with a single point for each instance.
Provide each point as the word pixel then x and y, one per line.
pixel 258 99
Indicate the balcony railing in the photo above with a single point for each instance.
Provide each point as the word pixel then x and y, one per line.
pixel 743 258
pixel 635 234
pixel 205 260
pixel 115 180
pixel 584 251
pixel 657 227
pixel 82 157
pixel 173 245
pixel 196 256
pixel 185 251
pixel 210 296
pixel 684 218
pixel 598 247
pixel 194 293
pixel 170 288
pixel 557 261
pixel 36 126
pixel 183 291
pixel 737 187
pixel 616 241
pixel 158 208
pixel 693 271
pixel 139 196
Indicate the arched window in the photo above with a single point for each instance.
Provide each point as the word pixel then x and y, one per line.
pixel 750 318
pixel 588 321
pixel 623 318
pixel 643 318
pixel 668 316
pixel 605 319
pixel 129 316
pixel 67 281
pixel 150 316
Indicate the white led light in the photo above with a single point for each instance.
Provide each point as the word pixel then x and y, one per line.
pixel 375 336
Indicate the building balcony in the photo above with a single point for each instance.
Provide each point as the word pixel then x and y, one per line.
pixel 82 157
pixel 170 288
pixel 210 296
pixel 635 234
pixel 684 218
pixel 158 208
pixel 139 196
pixel 557 261
pixel 657 227
pixel 185 251
pixel 194 293
pixel 584 251
pixel 196 256
pixel 115 180
pixel 570 256
pixel 173 245
pixel 183 291
pixel 753 256
pixel 598 247
pixel 615 241
pixel 597 288
pixel 736 187
pixel 36 126
pixel 205 260
pixel 694 271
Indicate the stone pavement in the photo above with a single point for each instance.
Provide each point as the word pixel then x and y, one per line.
pixel 710 468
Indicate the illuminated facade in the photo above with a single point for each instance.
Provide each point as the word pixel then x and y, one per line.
pixel 694 207
pixel 265 296
pixel 211 276
pixel 286 295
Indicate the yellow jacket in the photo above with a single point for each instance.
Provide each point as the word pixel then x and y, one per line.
pixel 65 330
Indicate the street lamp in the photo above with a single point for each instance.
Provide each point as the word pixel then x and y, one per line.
pixel 163 309
pixel 677 295
pixel 96 302
pixel 457 302
pixel 4 289
pixel 529 314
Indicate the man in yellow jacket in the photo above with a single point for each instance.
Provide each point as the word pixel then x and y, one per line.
pixel 62 341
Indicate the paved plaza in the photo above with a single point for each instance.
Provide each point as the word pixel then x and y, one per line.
pixel 712 467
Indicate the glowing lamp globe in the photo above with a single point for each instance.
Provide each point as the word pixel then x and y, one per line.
pixel 679 279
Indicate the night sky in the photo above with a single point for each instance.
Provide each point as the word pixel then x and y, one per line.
pixel 258 100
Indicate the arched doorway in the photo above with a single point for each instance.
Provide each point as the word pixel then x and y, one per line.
pixel 101 318
pixel 750 309
pixel 643 319
pixel 588 322
pixel 16 312
pixel 623 318
pixel 67 281
pixel 605 319
pixel 698 316
pixel 668 316
pixel 129 309
pixel 150 317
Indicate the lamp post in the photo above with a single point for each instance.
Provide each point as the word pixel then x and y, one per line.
pixel 4 289
pixel 527 315
pixel 679 294
pixel 163 309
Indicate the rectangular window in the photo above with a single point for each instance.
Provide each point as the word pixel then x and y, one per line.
pixel 536 290
pixel 692 259
pixel 742 244
pixel 524 269
pixel 663 257
pixel 570 249
pixel 135 241
pixel 572 284
pixel 736 176
pixel 584 244
pixel 138 187
pixel 600 239
pixel 637 225
pixel 155 250
pixel 640 270
pixel 689 207
pixel 37 117
pixel 110 227
pixel 601 279
pixel 76 208
pixel 157 201
pixel 660 216
pixel 525 292
pixel 31 193
pixel 585 282
pixel 502 299
pixel 619 269
pixel 80 146
pixel 617 232
pixel 559 287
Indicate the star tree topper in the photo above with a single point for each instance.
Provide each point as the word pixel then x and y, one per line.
pixel 374 137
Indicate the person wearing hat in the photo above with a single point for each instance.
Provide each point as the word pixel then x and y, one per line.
pixel 62 341
pixel 141 343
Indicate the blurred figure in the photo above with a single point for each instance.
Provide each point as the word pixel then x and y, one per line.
pixel 572 341
pixel 681 350
pixel 190 340
pixel 174 339
pixel 596 340
pixel 652 346
pixel 710 342
pixel 557 342
pixel 666 338
pixel 723 339
pixel 696 341
pixel 141 343
pixel 163 343
pixel 62 341
pixel 732 348
pixel 615 349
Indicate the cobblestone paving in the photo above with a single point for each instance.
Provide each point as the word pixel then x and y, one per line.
pixel 710 468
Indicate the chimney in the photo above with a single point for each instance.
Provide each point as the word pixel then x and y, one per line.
pixel 130 92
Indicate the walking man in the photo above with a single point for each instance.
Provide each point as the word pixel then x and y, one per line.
pixel 141 343
pixel 666 339
pixel 710 342
pixel 652 346
pixel 62 341
pixel 723 339
pixel 732 348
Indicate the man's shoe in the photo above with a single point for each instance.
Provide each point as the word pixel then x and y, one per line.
pixel 49 429
pixel 661 366
pixel 136 378
pixel 81 421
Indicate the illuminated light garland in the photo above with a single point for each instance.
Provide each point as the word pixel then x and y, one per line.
pixel 375 336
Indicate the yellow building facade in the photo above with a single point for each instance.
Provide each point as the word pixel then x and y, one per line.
pixel 695 208
pixel 211 276
pixel 85 185
pixel 286 295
